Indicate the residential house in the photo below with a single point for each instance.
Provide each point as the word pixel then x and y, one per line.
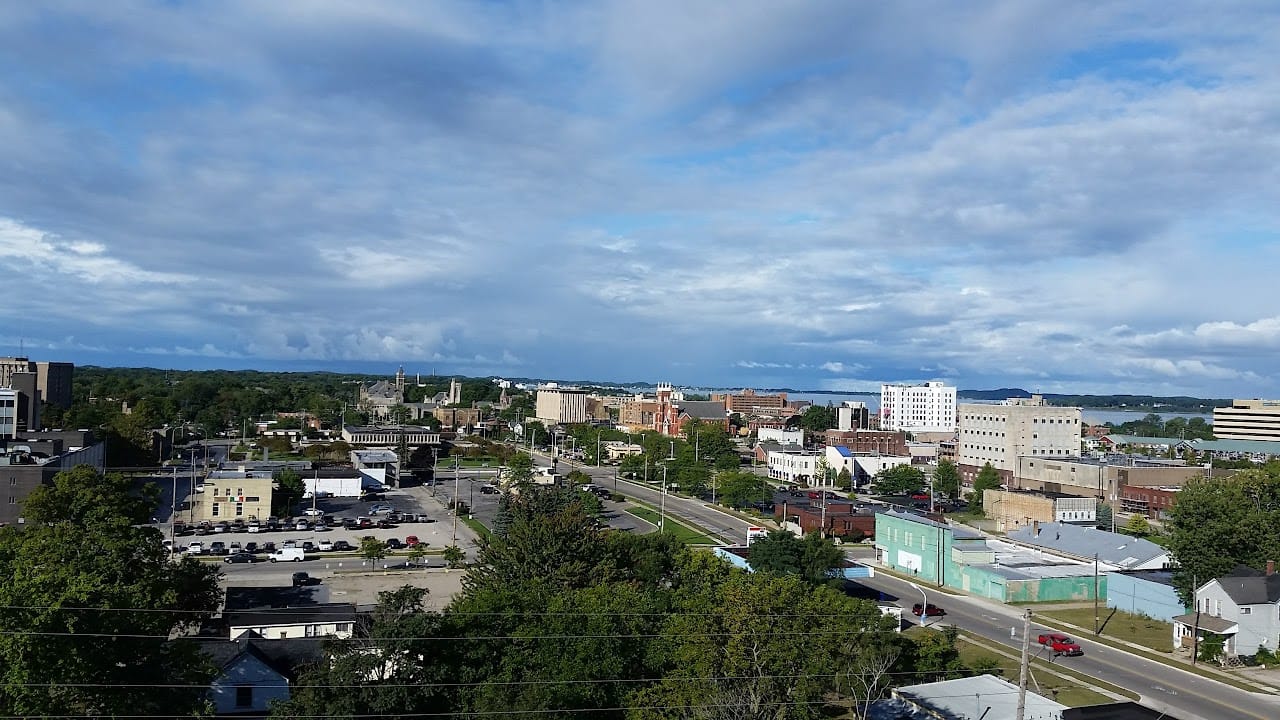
pixel 1113 551
pixel 254 672
pixel 1242 607
pixel 320 620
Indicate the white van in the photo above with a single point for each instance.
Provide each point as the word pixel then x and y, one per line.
pixel 293 554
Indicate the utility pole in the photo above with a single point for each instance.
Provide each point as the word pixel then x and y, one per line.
pixel 1022 666
pixel 822 522
pixel 454 539
pixel 1096 617
pixel 1195 631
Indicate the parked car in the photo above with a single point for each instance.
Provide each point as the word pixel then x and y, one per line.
pixel 380 508
pixel 308 546
pixel 394 544
pixel 221 527
pixel 919 496
pixel 1060 644
pixel 488 490
pixel 313 512
pixel 411 541
pixel 342 546
pixel 195 548
pixel 301 579
pixel 217 547
pixel 242 557
pixel 255 527
pixel 302 525
pixel 932 610
pixel 385 524
pixel 268 547
pixel 234 548
pixel 325 546
pixel 251 547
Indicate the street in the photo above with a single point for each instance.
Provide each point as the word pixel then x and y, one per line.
pixel 1160 686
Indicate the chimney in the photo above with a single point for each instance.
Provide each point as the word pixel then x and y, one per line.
pixel 1271 567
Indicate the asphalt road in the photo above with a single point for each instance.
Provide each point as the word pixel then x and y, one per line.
pixel 1160 686
pixel 727 527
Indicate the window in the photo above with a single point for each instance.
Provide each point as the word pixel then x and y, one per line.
pixel 13 481
pixel 239 509
pixel 214 511
pixel 1246 611
pixel 244 696
pixel 13 500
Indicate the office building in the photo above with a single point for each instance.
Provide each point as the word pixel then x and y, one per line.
pixel 853 415
pixel 1016 428
pixel 929 407
pixel 33 458
pixel 36 383
pixel 1248 420
pixel 561 405
pixel 748 402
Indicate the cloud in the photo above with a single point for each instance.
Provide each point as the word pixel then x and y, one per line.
pixel 1024 192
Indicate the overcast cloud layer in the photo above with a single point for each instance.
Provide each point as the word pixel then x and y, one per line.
pixel 1063 196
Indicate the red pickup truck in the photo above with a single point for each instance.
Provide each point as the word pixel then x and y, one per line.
pixel 1060 644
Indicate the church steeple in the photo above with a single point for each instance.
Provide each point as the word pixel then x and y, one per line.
pixel 400 379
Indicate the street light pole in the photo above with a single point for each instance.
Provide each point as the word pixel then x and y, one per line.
pixel 924 608
pixel 454 538
pixel 662 508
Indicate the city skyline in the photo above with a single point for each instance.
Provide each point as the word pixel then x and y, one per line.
pixel 823 196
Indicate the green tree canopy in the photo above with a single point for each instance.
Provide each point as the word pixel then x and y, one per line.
pixel 739 488
pixel 899 480
pixel 988 479
pixel 946 479
pixel 782 553
pixel 88 601
pixel 1217 524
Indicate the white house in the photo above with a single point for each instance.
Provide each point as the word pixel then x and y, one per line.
pixel 252 672
pixel 324 620
pixel 1242 607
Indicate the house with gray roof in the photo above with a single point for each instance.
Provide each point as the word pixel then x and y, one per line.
pixel 984 697
pixel 254 672
pixel 1114 551
pixel 1242 607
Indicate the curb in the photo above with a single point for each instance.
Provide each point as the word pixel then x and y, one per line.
pixel 1083 681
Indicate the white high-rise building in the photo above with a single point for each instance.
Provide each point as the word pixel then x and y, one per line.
pixel 929 407
pixel 561 405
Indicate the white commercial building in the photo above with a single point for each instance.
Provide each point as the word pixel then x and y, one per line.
pixel 930 407
pixel 800 468
pixel 561 405
pixel 780 436
pixel 8 413
pixel 1248 420
pixel 1018 427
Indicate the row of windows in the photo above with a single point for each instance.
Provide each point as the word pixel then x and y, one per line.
pixel 217 509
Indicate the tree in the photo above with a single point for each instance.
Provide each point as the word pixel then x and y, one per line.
pixel 373 549
pixel 739 488
pixel 632 466
pixel 291 489
pixel 946 479
pixel 816 419
pixel 988 479
pixel 1217 524
pixel 79 552
pixel 418 552
pixel 899 480
pixel 781 553
pixel 519 470
pixel 844 480
pixel 454 556
pixel 1137 526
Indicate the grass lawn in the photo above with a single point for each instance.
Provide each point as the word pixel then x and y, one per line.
pixel 1120 625
pixel 1069 692
pixel 683 533
pixel 477 526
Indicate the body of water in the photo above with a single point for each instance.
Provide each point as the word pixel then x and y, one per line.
pixel 1091 416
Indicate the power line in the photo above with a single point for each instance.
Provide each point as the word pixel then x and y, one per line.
pixel 303 610
pixel 606 636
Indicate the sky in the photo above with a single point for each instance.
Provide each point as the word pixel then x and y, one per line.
pixel 1066 197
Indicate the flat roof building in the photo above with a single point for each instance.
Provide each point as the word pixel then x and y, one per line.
pixel 1248 420
pixel 929 407
pixel 1018 427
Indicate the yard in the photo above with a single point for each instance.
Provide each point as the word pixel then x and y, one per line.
pixel 1119 625
pixel 683 533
